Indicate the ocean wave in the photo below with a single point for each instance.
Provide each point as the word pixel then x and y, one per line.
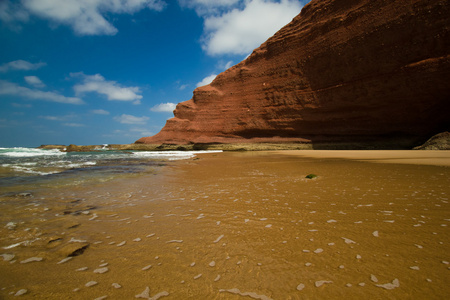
pixel 171 155
pixel 29 152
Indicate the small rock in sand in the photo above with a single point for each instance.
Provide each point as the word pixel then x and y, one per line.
pixel 390 286
pixel 31 259
pixel 7 256
pixel 90 283
pixel 319 283
pixel 101 270
pixel 21 292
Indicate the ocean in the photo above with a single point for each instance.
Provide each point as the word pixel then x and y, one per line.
pixel 26 168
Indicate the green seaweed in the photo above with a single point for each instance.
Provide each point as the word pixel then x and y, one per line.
pixel 311 176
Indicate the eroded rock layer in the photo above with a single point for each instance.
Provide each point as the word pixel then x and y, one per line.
pixel 341 71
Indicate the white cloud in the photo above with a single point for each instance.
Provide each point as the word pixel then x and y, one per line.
pixel 86 17
pixel 21 65
pixel 111 89
pixel 11 13
pixel 129 119
pixel 164 107
pixel 74 125
pixel 58 118
pixel 239 31
pixel 207 80
pixel 34 81
pixel 100 112
pixel 205 7
pixel 12 89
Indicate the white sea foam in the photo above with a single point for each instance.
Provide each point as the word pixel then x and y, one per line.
pixel 172 155
pixel 29 152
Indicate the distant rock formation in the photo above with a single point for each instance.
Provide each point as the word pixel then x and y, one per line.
pixel 440 141
pixel 341 71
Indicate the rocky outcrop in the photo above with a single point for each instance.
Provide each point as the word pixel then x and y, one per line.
pixel 440 141
pixel 341 71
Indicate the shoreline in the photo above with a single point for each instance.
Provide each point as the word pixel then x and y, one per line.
pixel 428 157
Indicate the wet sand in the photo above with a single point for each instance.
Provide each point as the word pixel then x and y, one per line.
pixel 237 225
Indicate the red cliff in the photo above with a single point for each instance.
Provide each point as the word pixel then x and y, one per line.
pixel 341 71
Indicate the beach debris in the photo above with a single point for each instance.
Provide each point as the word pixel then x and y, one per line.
pixel 121 244
pixel 146 268
pixel 146 294
pixel 102 297
pixel 300 287
pixel 174 241
pixel 219 238
pixel 137 240
pixel 64 260
pixel 31 259
pixel 15 245
pixel 116 285
pixel 24 194
pixel 318 250
pixel 21 292
pixel 198 276
pixel 217 278
pixel 73 240
pixel 101 270
pixel 319 283
pixel 414 268
pixel 373 278
pixel 11 225
pixel 390 286
pixel 91 283
pixel 7 256
pixel 331 221
pixel 311 176
pixel 348 241
pixel 253 295
pixel 375 233
pixel 212 264
pixel 81 269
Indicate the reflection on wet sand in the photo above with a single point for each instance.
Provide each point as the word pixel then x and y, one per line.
pixel 231 226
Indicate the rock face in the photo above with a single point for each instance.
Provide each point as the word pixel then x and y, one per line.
pixel 341 71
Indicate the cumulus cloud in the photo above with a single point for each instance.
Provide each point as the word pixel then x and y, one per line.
pixel 21 65
pixel 100 112
pixel 129 119
pixel 207 80
pixel 86 17
pixel 111 89
pixel 12 89
pixel 34 81
pixel 239 31
pixel 164 107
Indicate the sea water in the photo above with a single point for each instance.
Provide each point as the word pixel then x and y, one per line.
pixel 30 167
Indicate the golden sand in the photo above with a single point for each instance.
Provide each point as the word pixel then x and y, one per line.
pixel 239 226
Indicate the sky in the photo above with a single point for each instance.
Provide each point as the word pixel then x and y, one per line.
pixel 92 72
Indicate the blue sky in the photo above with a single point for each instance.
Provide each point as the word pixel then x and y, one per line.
pixel 111 71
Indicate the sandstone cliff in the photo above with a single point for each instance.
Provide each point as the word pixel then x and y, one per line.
pixel 341 71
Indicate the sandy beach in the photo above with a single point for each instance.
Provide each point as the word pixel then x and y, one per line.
pixel 239 225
